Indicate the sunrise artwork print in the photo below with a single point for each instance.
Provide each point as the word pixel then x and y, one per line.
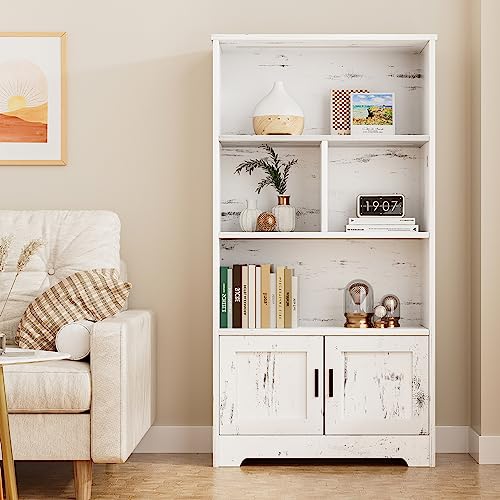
pixel 32 99
pixel 23 102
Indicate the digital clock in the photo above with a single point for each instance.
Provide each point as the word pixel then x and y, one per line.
pixel 381 205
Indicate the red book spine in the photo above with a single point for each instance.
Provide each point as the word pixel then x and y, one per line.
pixel 237 296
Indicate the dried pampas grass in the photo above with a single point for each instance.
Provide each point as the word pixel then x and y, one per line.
pixel 27 253
pixel 5 243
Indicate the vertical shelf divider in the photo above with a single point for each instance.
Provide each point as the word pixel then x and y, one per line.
pixel 324 186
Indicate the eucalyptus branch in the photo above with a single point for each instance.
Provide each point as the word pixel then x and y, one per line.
pixel 277 172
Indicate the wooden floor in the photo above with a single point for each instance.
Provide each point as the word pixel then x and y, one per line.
pixel 191 476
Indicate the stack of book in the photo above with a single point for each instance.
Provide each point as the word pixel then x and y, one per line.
pixel 258 296
pixel 388 223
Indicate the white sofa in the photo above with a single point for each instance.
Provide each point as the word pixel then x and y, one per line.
pixel 83 411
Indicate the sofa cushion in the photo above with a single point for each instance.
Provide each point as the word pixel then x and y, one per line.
pixel 74 241
pixel 91 295
pixel 48 387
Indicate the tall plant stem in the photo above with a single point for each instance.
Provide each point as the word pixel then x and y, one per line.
pixel 8 295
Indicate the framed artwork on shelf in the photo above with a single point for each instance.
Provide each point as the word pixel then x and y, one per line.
pixel 32 99
pixel 340 110
pixel 373 113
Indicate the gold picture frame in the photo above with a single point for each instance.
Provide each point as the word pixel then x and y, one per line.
pixel 33 99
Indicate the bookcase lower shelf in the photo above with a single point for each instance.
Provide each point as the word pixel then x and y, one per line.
pixel 332 330
pixel 231 451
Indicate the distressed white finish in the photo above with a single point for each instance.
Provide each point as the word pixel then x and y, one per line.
pixel 304 186
pixel 332 171
pixel 354 171
pixel 267 385
pixel 309 74
pixel 324 268
pixel 380 385
pixel 415 450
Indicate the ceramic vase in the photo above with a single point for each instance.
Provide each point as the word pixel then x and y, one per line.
pixel 278 114
pixel 249 216
pixel 285 215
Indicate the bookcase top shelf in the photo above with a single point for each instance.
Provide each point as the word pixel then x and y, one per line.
pixel 327 330
pixel 395 235
pixel 333 140
pixel 406 42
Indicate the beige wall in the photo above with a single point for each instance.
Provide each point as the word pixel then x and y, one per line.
pixel 475 119
pixel 490 236
pixel 139 143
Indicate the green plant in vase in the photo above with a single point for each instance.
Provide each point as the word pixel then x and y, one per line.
pixel 276 173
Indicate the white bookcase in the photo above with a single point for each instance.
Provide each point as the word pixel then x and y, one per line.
pixel 321 390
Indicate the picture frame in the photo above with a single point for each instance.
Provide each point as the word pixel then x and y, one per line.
pixel 373 113
pixel 33 98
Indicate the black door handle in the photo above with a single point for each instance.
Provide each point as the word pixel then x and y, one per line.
pixel 316 383
pixel 330 383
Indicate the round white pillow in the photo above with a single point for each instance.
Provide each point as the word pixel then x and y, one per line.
pixel 74 339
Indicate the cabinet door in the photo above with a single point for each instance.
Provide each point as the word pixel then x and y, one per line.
pixel 271 385
pixel 376 385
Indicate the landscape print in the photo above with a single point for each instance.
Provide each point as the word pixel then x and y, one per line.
pixel 23 102
pixel 373 109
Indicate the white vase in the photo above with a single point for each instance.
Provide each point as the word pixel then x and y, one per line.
pixel 278 114
pixel 248 218
pixel 285 215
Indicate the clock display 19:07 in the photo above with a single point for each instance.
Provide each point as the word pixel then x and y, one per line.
pixel 381 205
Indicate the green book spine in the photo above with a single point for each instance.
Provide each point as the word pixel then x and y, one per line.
pixel 223 297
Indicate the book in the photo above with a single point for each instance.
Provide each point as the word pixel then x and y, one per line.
pixel 244 296
pixel 288 297
pixel 265 296
pixel 237 296
pixel 258 278
pixel 280 297
pixel 380 227
pixel 272 303
pixel 251 296
pixel 389 220
pixel 229 298
pixel 295 301
pixel 223 296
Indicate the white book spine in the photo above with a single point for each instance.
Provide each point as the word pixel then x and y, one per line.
pixel 229 298
pixel 251 296
pixel 380 227
pixel 381 220
pixel 295 301
pixel 272 286
pixel 258 292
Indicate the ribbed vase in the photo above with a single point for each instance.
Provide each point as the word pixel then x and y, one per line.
pixel 249 216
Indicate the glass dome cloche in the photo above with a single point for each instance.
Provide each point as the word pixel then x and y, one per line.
pixel 393 306
pixel 358 304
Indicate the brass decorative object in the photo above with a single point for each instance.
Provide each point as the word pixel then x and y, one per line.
pixel 393 306
pixel 266 222
pixel 358 304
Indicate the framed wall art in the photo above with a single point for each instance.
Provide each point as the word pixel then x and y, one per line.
pixel 32 99
pixel 372 113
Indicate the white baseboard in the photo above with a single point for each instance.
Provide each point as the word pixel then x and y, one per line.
pixel 198 439
pixel 484 449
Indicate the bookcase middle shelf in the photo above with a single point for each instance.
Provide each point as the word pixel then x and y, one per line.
pixel 325 235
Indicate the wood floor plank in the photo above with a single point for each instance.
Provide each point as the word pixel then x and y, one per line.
pixel 153 477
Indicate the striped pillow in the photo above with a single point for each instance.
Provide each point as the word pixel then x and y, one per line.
pixel 91 295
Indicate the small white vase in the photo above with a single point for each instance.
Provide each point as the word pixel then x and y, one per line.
pixel 248 218
pixel 285 215
pixel 278 114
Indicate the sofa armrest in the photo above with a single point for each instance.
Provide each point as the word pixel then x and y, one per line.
pixel 123 374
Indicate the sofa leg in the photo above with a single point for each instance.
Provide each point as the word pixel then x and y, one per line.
pixel 82 472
